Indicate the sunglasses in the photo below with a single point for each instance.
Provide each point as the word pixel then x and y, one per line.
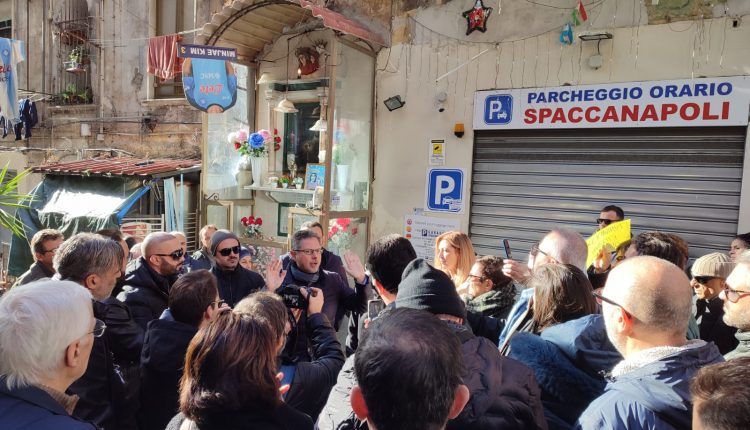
pixel 226 252
pixel 605 221
pixel 734 295
pixel 599 299
pixel 176 255
pixel 703 279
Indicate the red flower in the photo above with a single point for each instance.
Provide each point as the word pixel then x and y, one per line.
pixel 244 220
pixel 237 145
pixel 333 231
pixel 343 223
pixel 277 139
pixel 275 131
pixel 251 220
pixel 259 221
pixel 355 230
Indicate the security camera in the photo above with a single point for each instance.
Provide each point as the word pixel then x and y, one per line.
pixel 440 99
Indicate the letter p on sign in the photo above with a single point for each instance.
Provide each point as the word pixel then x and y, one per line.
pixel 445 190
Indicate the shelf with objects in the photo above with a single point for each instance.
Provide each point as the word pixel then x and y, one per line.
pixel 274 147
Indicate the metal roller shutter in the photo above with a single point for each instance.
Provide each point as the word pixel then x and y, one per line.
pixel 681 180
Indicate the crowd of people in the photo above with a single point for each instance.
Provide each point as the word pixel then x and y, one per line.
pixel 108 332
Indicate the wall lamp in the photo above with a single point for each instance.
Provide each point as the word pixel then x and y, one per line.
pixel 393 103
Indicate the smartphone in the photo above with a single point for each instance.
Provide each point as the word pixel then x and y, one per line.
pixel 506 245
pixel 374 307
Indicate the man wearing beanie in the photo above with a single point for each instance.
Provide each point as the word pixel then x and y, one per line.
pixel 504 392
pixel 235 282
pixel 710 273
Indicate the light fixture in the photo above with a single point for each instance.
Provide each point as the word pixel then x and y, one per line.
pixel 393 103
pixel 265 78
pixel 596 36
pixel 320 125
pixel 286 105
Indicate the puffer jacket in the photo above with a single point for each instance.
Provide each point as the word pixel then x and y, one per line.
pixel 146 293
pixel 654 396
pixel 504 392
pixel 569 361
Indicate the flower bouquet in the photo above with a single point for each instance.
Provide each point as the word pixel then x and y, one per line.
pixel 252 227
pixel 298 182
pixel 285 181
pixel 341 234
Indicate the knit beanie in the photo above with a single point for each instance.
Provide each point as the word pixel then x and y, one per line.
pixel 427 288
pixel 219 236
pixel 715 264
pixel 246 252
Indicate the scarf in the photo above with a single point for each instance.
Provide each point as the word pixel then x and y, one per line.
pixel 493 301
pixel 299 275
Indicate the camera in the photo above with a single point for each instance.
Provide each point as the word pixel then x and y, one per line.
pixel 292 296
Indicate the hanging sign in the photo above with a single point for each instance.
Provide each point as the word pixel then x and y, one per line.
pixel 208 77
pixel 437 152
pixel 423 230
pixel 679 103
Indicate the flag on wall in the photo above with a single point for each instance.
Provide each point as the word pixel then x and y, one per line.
pixel 579 14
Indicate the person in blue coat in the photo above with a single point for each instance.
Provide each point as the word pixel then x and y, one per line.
pixel 52 321
pixel 646 304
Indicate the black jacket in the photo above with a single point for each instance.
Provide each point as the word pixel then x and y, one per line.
pixel 504 392
pixel 102 387
pixel 200 260
pixel 162 362
pixel 313 380
pixel 283 418
pixel 712 327
pixel 146 293
pixel 32 408
pixel 235 285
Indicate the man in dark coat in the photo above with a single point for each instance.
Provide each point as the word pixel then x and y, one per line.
pixel 201 259
pixel 646 304
pixel 710 273
pixel 44 244
pixel 193 303
pixel 235 282
pixel 148 280
pixel 95 262
pixel 504 392
pixel 54 322
pixel 305 271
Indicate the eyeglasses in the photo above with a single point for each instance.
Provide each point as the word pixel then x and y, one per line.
pixel 310 251
pixel 99 328
pixel 535 250
pixel 478 278
pixel 176 255
pixel 599 299
pixel 703 279
pixel 734 295
pixel 605 221
pixel 228 251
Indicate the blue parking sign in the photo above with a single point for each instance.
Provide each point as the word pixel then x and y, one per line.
pixel 498 109
pixel 445 190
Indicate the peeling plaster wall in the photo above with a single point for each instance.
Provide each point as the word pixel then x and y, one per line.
pixel 529 55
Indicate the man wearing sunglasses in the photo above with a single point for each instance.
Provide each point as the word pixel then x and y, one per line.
pixel 235 282
pixel 709 280
pixel 646 305
pixel 148 280
pixel 737 305
pixel 598 271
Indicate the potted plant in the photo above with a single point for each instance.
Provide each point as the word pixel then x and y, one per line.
pixel 298 182
pixel 285 181
pixel 70 94
pixel 75 63
pixel 252 226
pixel 253 147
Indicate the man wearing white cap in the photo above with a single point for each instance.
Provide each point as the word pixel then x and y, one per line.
pixel 710 273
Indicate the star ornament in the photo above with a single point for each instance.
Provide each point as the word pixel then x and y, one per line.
pixel 476 17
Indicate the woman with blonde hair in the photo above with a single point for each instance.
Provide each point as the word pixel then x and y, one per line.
pixel 454 255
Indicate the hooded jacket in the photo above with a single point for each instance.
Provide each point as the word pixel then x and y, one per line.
pixel 569 361
pixel 235 285
pixel 146 292
pixel 32 408
pixel 654 396
pixel 743 349
pixel 162 362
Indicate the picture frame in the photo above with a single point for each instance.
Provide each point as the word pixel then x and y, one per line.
pixel 282 228
pixel 315 176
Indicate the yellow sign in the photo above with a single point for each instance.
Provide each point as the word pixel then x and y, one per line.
pixel 610 237
pixel 437 148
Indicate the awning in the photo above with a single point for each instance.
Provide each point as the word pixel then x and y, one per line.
pixel 250 25
pixel 123 166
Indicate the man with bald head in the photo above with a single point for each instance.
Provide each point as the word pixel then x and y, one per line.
pixel 559 246
pixel 148 280
pixel 646 304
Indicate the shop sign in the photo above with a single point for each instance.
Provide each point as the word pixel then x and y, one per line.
pixel 445 190
pixel 423 230
pixel 674 103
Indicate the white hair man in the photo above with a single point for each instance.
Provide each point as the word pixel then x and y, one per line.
pixel 737 305
pixel 559 246
pixel 646 304
pixel 47 330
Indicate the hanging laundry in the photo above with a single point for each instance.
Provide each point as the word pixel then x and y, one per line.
pixel 28 117
pixel 3 126
pixel 11 53
pixel 162 56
